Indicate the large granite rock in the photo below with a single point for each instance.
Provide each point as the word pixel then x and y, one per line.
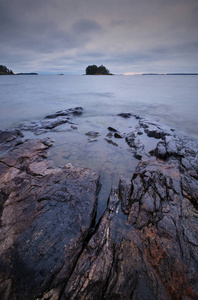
pixel 145 246
pixel 46 216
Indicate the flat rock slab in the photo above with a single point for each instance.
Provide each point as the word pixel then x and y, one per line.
pixel 46 216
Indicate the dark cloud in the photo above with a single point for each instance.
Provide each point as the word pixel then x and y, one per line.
pixel 129 35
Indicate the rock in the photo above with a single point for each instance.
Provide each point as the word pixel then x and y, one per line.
pixel 111 142
pixel 150 255
pixel 93 134
pixel 128 115
pixel 153 129
pixel 67 112
pixel 168 148
pixel 46 217
pixel 139 132
pixel 190 165
pixel 137 146
pixel 10 138
pixel 52 121
pixel 160 150
pixel 171 147
pixel 94 267
pixel 112 129
pixel 130 138
pixel 74 126
pixel 124 115
pixel 125 194
pixel 43 126
pixel 118 135
pixel 110 134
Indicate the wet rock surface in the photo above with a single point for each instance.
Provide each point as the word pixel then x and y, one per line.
pixel 46 216
pixel 151 253
pixel 52 121
pixel 66 112
pixel 9 139
pixel 145 245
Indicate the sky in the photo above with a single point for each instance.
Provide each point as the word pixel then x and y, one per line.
pixel 126 36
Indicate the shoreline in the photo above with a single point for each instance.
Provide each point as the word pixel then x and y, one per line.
pixel 48 214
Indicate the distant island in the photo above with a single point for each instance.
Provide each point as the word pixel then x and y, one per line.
pixel 170 74
pixel 94 70
pixel 27 74
pixel 5 71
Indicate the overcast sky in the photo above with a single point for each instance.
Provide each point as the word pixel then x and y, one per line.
pixel 65 36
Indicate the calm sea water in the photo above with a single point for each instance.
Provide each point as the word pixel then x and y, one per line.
pixel 173 100
pixel 170 99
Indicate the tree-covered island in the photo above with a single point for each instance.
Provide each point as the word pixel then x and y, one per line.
pixel 5 71
pixel 94 70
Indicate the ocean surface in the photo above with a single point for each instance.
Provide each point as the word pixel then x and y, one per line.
pixel 171 100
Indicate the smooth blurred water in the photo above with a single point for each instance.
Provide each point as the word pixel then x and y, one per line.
pixel 172 100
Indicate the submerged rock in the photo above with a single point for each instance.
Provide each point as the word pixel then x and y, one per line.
pixel 128 115
pixel 109 141
pixel 92 134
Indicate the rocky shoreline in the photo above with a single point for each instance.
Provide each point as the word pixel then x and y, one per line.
pixel 145 243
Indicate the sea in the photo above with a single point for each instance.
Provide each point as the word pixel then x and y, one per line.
pixel 169 99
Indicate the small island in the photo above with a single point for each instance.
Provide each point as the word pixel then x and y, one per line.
pixel 94 70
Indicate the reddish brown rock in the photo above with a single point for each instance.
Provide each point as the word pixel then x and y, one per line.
pixel 148 253
pixel 46 216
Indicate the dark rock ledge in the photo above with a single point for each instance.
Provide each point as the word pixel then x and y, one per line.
pixel 145 245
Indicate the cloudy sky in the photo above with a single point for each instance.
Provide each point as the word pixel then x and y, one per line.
pixel 65 36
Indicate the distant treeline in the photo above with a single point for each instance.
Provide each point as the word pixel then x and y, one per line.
pixel 94 70
pixel 5 71
pixel 27 74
